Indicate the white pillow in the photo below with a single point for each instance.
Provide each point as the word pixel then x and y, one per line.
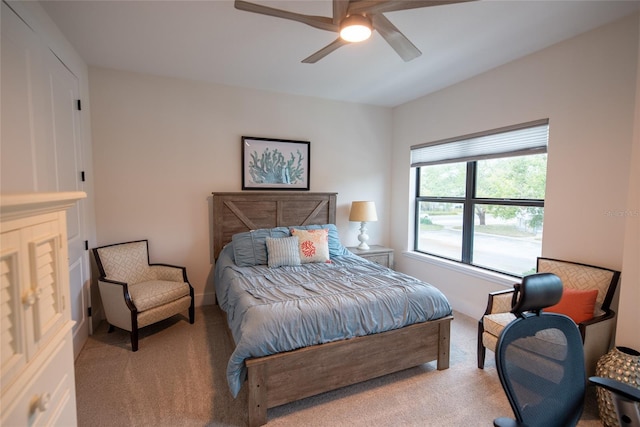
pixel 282 251
pixel 314 244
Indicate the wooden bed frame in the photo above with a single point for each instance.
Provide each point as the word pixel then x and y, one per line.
pixel 286 377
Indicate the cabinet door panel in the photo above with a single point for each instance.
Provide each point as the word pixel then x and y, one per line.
pixel 13 350
pixel 46 283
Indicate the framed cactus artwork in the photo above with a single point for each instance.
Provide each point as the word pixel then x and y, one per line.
pixel 275 164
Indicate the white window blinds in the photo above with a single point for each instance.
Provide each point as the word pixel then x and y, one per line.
pixel 517 140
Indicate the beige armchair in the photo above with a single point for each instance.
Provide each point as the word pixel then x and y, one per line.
pixel 136 293
pixel 597 333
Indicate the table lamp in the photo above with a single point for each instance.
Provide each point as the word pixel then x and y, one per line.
pixel 363 212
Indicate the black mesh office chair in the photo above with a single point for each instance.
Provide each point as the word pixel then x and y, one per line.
pixel 539 358
pixel 540 362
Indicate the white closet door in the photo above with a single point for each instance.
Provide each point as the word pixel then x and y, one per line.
pixel 64 94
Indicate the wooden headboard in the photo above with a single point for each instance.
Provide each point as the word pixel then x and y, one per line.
pixel 239 212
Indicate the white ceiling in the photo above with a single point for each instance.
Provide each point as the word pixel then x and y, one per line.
pixel 212 41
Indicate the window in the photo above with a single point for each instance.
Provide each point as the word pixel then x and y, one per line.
pixel 480 198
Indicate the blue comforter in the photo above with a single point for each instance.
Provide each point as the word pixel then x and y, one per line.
pixel 271 310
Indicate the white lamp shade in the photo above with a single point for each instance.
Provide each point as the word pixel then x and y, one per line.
pixel 363 211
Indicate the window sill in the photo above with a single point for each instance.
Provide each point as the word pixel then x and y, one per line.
pixel 469 270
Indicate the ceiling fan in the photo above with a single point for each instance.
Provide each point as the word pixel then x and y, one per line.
pixel 354 16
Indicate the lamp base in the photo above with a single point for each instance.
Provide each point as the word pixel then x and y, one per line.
pixel 363 237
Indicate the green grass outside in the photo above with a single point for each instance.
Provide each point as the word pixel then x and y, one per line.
pixel 436 213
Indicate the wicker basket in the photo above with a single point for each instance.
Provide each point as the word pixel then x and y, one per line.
pixel 621 364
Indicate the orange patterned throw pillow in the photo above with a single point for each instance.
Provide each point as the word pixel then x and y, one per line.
pixel 313 244
pixel 575 303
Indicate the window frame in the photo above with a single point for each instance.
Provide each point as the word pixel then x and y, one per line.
pixel 470 200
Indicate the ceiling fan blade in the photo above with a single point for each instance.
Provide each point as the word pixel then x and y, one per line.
pixel 381 6
pixel 325 51
pixel 320 22
pixel 395 38
pixel 340 8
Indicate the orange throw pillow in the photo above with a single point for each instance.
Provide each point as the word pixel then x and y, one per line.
pixel 577 304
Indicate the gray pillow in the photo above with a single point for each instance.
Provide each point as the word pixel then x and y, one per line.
pixel 283 251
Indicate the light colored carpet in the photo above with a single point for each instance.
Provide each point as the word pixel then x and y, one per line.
pixel 177 378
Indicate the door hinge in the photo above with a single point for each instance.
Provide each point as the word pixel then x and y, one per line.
pixel 86 245
pixel 89 311
pixel 82 176
pixel 79 105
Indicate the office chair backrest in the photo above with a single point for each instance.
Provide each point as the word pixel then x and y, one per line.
pixel 539 358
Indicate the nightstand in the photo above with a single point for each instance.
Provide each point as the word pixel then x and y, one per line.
pixel 376 253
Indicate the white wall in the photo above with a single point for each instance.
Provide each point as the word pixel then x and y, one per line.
pixel 627 333
pixel 586 87
pixel 162 146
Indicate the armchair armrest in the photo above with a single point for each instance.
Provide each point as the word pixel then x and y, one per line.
pixel 499 301
pixel 609 314
pixel 173 273
pixel 597 338
pixel 117 303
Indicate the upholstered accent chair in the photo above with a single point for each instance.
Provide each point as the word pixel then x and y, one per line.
pixel 597 332
pixel 136 293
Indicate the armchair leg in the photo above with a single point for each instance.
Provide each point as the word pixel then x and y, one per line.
pixel 192 308
pixel 134 330
pixel 481 349
pixel 134 340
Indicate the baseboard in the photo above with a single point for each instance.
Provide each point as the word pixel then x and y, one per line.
pixel 205 299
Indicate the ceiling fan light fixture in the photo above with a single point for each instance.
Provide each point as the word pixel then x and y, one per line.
pixel 355 28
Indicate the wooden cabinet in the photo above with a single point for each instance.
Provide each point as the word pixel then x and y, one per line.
pixel 36 364
pixel 376 253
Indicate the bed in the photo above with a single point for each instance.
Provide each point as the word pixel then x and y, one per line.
pixel 278 375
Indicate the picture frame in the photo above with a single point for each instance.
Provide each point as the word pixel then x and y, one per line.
pixel 275 164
